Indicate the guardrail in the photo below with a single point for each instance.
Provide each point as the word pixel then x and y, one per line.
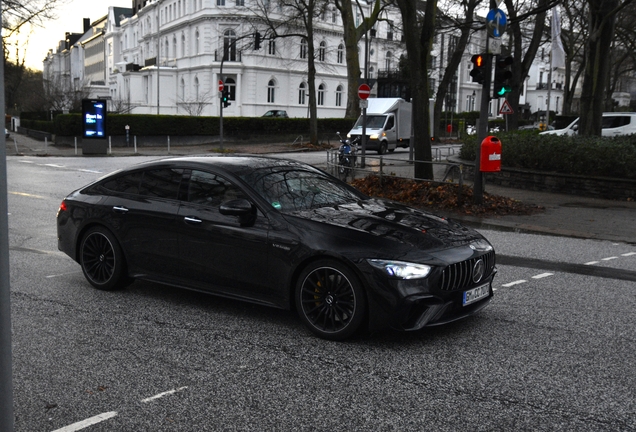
pixel 390 166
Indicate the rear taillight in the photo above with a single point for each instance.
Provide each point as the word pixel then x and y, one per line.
pixel 62 208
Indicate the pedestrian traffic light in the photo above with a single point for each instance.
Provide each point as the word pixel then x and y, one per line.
pixel 257 41
pixel 225 98
pixel 479 65
pixel 502 76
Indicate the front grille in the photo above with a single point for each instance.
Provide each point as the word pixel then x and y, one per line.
pixel 459 276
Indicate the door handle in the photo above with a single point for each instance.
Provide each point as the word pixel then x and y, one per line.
pixel 119 209
pixel 192 220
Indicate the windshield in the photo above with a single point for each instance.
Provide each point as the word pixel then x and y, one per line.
pixel 290 189
pixel 373 122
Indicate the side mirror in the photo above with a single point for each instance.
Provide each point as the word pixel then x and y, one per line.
pixel 244 209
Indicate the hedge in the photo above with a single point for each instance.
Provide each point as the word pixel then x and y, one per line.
pixel 591 156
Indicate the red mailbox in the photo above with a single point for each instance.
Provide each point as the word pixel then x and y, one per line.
pixel 490 156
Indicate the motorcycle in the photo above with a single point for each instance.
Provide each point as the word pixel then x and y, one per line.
pixel 347 155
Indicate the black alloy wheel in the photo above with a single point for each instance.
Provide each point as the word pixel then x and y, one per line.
pixel 102 260
pixel 383 148
pixel 330 300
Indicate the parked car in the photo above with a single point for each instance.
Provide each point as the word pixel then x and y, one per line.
pixel 613 124
pixel 276 113
pixel 279 233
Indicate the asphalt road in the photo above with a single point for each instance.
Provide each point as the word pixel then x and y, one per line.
pixel 554 351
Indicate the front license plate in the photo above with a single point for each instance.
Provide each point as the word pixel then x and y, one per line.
pixel 476 294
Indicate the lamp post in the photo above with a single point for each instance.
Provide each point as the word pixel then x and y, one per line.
pixel 158 52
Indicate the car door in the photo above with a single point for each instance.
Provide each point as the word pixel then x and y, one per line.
pixel 218 253
pixel 142 212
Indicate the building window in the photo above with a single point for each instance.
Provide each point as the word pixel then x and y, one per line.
pixel 321 94
pixel 321 51
pixel 220 2
pixel 240 2
pixel 302 95
pixel 183 46
pixel 334 15
pixel 196 42
pixel 229 45
pixel 387 62
pixel 389 30
pixel 340 55
pixel 303 48
pixel 174 47
pixel 196 88
pixel 182 90
pixel 271 47
pixel 230 85
pixel 271 91
pixel 339 96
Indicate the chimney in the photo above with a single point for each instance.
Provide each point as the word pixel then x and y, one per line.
pixel 87 24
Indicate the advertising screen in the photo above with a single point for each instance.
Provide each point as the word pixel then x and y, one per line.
pixel 94 118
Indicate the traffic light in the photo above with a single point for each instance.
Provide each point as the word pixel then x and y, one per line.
pixel 257 41
pixel 225 98
pixel 479 65
pixel 502 76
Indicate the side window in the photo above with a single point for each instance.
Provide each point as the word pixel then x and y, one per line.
pixel 390 123
pixel 128 183
pixel 209 189
pixel 161 183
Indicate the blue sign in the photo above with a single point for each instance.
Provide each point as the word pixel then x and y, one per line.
pixel 496 22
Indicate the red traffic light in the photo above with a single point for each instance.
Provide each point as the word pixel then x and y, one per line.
pixel 479 64
pixel 478 60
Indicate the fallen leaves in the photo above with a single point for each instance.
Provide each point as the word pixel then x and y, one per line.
pixel 441 196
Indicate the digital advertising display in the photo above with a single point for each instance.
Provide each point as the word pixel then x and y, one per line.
pixel 94 118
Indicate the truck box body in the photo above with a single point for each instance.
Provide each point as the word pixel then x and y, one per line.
pixel 388 124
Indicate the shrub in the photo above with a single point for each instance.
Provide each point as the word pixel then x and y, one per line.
pixel 591 156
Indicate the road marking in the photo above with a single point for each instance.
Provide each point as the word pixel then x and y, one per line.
pixel 166 393
pixel 88 422
pixel 542 275
pixel 61 274
pixel 90 171
pixel 591 263
pixel 55 165
pixel 609 258
pixel 514 283
pixel 629 254
pixel 26 195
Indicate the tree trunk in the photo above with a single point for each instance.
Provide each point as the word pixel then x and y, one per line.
pixel 602 18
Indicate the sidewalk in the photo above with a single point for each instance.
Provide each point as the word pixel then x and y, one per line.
pixel 564 215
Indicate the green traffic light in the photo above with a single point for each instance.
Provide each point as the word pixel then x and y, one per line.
pixel 503 90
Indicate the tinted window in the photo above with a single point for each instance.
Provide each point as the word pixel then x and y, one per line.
pixel 161 183
pixel 291 190
pixel 610 122
pixel 128 183
pixel 210 189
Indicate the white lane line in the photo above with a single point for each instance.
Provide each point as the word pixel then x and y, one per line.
pixel 609 258
pixel 90 171
pixel 88 422
pixel 629 254
pixel 166 393
pixel 542 275
pixel 591 263
pixel 514 283
pixel 24 194
pixel 54 165
pixel 61 274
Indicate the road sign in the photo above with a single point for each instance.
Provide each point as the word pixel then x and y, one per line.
pixel 221 87
pixel 506 108
pixel 364 91
pixel 496 22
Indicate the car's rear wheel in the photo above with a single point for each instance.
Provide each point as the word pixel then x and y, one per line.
pixel 330 300
pixel 102 260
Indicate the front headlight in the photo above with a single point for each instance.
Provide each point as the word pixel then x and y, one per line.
pixel 373 136
pixel 401 269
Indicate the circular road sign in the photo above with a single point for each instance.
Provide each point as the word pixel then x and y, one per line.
pixel 221 85
pixel 364 91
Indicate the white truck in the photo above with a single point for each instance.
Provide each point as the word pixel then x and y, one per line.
pixel 388 124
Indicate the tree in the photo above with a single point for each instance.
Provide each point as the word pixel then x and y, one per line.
pixel 194 106
pixel 574 32
pixel 296 19
pixel 419 30
pixel 602 19
pixel 352 35
pixel 464 21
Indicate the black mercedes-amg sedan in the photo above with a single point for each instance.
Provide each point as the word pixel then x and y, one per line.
pixel 280 233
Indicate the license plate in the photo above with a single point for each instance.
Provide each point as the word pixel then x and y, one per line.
pixel 475 294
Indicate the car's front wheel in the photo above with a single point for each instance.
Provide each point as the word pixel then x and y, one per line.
pixel 102 260
pixel 330 300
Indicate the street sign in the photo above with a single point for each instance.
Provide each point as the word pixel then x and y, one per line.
pixel 496 22
pixel 364 104
pixel 221 87
pixel 506 108
pixel 364 91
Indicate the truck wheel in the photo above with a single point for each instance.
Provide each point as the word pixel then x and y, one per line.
pixel 382 148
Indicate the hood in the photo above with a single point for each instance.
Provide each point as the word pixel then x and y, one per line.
pixel 394 221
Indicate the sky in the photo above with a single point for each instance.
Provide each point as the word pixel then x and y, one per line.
pixel 70 19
